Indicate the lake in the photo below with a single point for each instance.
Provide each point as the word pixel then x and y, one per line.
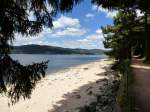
pixel 57 62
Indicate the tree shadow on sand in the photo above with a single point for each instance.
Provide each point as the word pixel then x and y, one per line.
pixel 82 96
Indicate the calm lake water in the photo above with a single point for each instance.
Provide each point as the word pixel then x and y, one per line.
pixel 57 62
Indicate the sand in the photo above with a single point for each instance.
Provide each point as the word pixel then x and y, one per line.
pixel 64 91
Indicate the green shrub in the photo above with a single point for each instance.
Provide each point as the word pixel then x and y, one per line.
pixel 124 97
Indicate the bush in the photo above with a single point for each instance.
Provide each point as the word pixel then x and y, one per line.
pixel 124 97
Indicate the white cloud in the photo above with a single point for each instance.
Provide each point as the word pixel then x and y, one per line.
pixel 83 40
pixel 92 41
pixel 95 37
pixel 65 21
pixel 99 31
pixel 70 32
pixel 83 44
pixel 22 40
pixel 89 15
pixel 92 38
pixel 37 39
pixel 109 14
pixel 63 26
pixel 67 26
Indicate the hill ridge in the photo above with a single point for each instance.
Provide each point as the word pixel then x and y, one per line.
pixel 46 49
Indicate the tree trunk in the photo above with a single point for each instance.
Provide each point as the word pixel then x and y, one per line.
pixel 147 39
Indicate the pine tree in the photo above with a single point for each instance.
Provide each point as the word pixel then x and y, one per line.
pixel 134 5
pixel 17 80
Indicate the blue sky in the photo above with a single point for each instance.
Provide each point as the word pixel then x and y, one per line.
pixel 80 28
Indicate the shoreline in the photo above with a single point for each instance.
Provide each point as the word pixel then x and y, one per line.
pixel 64 91
pixel 71 67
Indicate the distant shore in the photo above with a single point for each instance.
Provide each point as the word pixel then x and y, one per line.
pixel 45 49
pixel 64 91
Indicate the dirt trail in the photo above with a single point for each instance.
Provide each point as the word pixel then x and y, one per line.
pixel 141 87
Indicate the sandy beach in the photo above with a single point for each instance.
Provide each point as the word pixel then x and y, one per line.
pixel 64 91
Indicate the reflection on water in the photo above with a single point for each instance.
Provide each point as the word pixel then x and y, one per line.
pixel 57 62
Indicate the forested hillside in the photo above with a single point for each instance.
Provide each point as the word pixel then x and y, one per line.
pixel 44 49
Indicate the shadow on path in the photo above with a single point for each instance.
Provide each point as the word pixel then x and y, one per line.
pixel 141 86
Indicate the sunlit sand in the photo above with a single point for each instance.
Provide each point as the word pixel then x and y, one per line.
pixel 64 91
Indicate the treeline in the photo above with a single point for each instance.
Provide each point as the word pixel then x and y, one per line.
pixel 129 35
pixel 45 49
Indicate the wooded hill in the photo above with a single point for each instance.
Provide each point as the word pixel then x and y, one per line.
pixel 44 49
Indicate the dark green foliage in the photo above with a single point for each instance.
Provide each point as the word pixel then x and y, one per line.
pixel 119 37
pixel 16 80
pixel 67 5
pixel 125 98
pixel 130 34
pixel 129 29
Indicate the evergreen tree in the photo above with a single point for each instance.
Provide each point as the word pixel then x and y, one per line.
pixel 133 5
pixel 17 80
pixel 119 36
